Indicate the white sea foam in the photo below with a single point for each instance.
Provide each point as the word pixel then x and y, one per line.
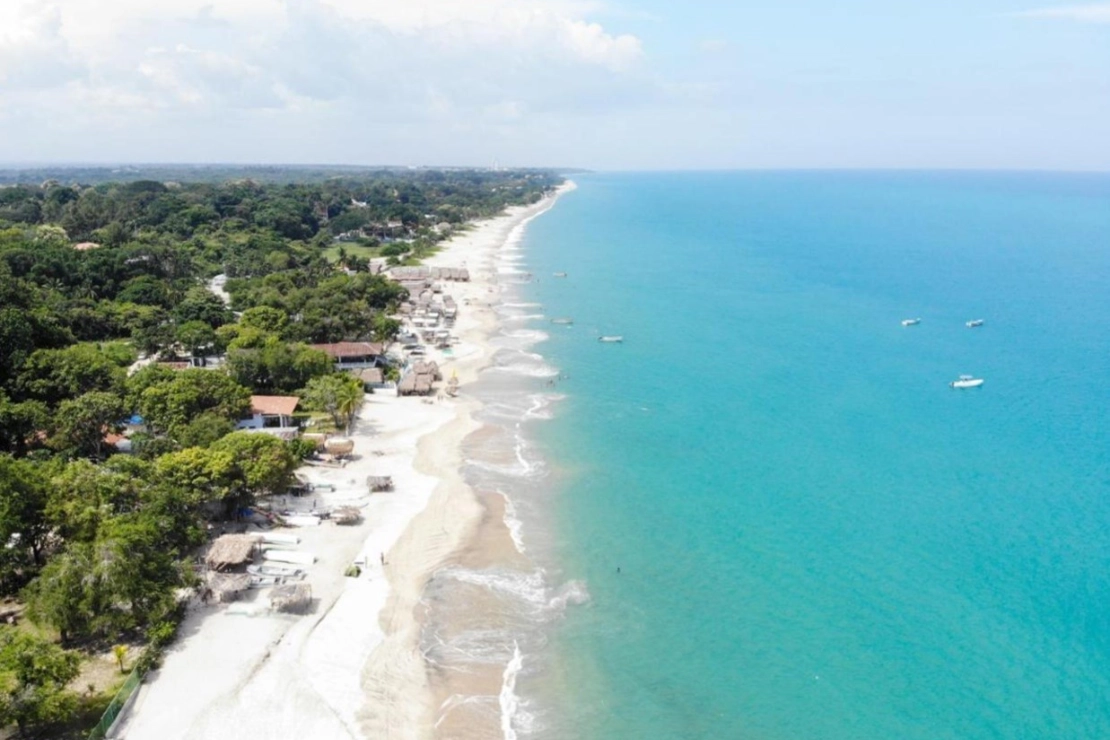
pixel 527 370
pixel 531 335
pixel 513 523
pixel 522 468
pixel 509 701
pixel 529 588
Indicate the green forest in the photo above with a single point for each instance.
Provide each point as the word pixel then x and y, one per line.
pixel 99 270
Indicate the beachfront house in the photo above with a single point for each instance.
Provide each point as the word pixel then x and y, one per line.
pixel 272 415
pixel 354 355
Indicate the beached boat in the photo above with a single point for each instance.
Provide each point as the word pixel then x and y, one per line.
pixel 910 322
pixel 565 321
pixel 283 571
pixel 974 323
pixel 295 557
pixel 966 381
pixel 611 339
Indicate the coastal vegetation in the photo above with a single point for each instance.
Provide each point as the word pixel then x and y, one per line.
pixel 155 309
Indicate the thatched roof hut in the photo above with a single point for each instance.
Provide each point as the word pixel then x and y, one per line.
pixel 339 446
pixel 230 551
pixel 372 376
pixel 225 587
pixel 423 385
pixel 346 515
pixel 291 598
pixel 428 368
pixel 378 483
pixel 407 386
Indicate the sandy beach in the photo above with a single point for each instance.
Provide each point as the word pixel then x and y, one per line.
pixel 352 666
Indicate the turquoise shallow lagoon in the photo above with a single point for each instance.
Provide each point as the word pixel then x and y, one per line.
pixel 816 536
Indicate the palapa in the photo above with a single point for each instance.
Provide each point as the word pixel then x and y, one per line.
pixel 225 587
pixel 407 386
pixel 230 550
pixel 291 598
pixel 423 385
pixel 339 446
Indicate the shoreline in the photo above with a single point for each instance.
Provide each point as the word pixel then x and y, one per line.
pixel 396 676
pixel 351 667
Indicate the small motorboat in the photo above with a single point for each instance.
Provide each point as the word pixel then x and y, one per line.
pixel 560 274
pixel 910 322
pixel 974 323
pixel 275 571
pixel 967 381
pixel 611 338
pixel 564 322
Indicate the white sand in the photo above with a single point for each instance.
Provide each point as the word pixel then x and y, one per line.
pixel 352 667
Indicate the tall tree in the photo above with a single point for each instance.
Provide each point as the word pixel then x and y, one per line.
pixel 23 525
pixel 83 424
pixel 34 693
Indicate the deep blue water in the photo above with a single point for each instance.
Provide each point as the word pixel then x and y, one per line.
pixel 816 536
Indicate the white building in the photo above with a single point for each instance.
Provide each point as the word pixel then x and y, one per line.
pixel 273 415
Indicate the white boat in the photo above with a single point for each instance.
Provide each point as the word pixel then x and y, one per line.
pixel 564 322
pixel 910 322
pixel 284 571
pixel 611 339
pixel 966 381
pixel 974 323
pixel 277 538
pixel 560 274
pixel 296 557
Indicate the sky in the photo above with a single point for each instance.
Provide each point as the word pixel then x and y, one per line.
pixel 610 85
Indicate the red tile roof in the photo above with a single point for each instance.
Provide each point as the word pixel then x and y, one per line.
pixel 274 405
pixel 349 349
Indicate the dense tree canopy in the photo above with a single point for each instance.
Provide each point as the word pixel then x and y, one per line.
pixel 111 304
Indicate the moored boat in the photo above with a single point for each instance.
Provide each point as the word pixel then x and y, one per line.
pixel 910 322
pixel 967 381
pixel 611 338
pixel 560 274
pixel 564 321
pixel 974 323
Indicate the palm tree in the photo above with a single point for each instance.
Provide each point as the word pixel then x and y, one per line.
pixel 348 401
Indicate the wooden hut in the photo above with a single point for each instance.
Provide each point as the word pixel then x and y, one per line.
pixel 407 386
pixel 225 587
pixel 339 446
pixel 379 483
pixel 230 550
pixel 291 598
pixel 428 368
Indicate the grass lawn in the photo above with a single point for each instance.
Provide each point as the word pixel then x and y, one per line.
pixel 355 250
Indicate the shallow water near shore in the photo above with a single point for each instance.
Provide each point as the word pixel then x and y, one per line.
pixel 815 535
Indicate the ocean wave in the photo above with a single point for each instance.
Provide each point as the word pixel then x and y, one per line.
pixel 522 468
pixel 527 370
pixel 508 699
pixel 533 336
pixel 513 523
pixel 529 588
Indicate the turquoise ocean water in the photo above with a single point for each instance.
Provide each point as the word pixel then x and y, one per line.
pixel 816 536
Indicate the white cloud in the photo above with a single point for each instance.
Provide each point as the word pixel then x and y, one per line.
pixel 1090 13
pixel 74 65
